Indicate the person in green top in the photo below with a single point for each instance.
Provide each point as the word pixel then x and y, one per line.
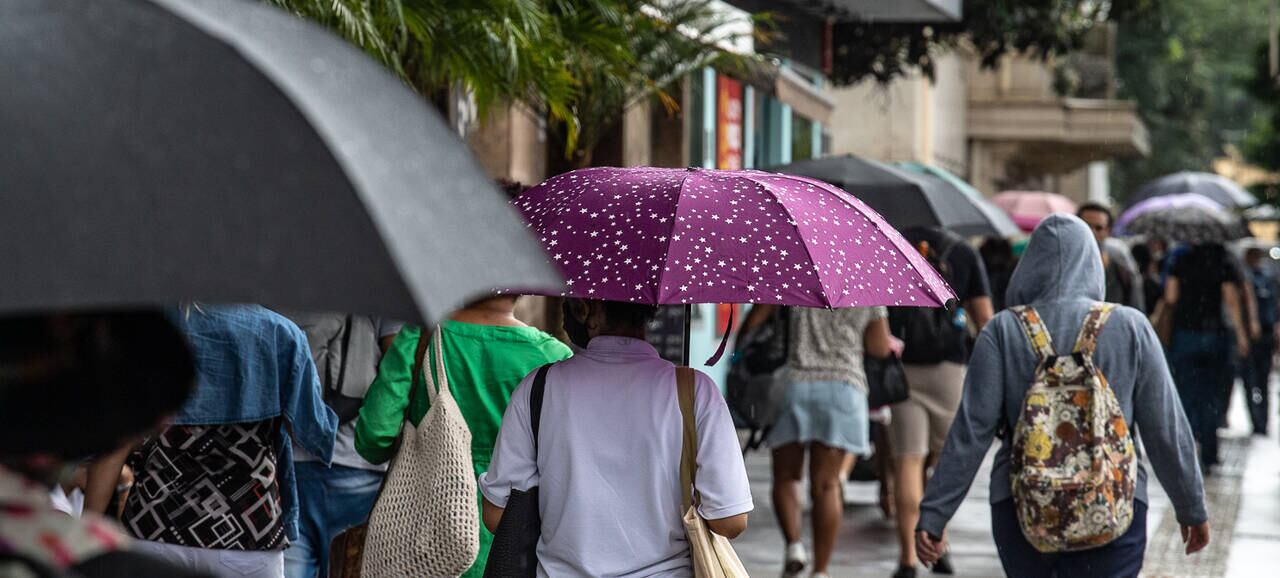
pixel 487 352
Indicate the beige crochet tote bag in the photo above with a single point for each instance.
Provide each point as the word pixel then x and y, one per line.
pixel 425 523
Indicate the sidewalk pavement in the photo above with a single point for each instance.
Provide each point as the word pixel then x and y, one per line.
pixel 1243 496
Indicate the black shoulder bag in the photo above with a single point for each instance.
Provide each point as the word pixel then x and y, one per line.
pixel 886 380
pixel 514 552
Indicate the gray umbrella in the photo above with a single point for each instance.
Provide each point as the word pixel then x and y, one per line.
pixel 227 151
pixel 1190 224
pixel 1217 187
pixel 904 197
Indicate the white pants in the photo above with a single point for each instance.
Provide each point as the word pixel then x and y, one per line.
pixel 227 563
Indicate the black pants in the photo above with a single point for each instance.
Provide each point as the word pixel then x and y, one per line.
pixel 1119 559
pixel 1256 371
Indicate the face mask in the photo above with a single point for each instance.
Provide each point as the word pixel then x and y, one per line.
pixel 576 330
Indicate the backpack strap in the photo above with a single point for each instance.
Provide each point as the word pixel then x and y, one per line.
pixel 689 449
pixel 1092 327
pixel 1037 334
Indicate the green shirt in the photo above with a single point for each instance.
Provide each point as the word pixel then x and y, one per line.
pixel 484 364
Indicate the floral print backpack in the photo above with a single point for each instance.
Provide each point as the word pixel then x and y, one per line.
pixel 1074 469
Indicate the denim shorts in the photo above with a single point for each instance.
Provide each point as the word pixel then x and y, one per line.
pixel 832 413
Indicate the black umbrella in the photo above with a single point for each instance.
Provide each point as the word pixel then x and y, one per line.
pixel 224 150
pixel 1190 224
pixel 1217 187
pixel 905 198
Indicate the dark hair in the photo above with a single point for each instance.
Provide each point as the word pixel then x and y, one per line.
pixel 1254 252
pixel 623 315
pixel 1101 208
pixel 997 253
pixel 76 385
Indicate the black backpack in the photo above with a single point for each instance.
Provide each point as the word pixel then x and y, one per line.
pixel 753 392
pixel 930 335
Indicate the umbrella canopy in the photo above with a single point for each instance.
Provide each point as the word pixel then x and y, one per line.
pixel 679 236
pixel 1001 224
pixel 1187 200
pixel 227 151
pixel 905 198
pixel 1189 224
pixel 1028 208
pixel 1217 187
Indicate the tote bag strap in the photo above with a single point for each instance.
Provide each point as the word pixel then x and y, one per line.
pixel 438 380
pixel 689 449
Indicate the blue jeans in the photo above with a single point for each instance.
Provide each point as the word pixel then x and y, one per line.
pixel 330 500
pixel 1199 360
pixel 1119 559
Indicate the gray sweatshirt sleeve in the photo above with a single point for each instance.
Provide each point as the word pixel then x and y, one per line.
pixel 970 437
pixel 1166 434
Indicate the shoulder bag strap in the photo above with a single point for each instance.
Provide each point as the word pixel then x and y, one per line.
pixel 419 366
pixel 346 347
pixel 689 449
pixel 438 380
pixel 1092 327
pixel 535 403
pixel 1037 335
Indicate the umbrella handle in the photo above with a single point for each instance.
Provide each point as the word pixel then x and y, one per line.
pixel 724 341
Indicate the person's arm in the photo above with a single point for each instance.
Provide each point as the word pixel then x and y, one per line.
pixel 1231 301
pixel 974 427
pixel 730 527
pixel 721 477
pixel 491 515
pixel 980 310
pixel 876 340
pixel 382 412
pixel 755 317
pixel 101 478
pixel 1166 435
pixel 310 422
pixel 1172 291
pixel 1251 309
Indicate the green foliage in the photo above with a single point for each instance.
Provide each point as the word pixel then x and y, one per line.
pixel 993 28
pixel 581 61
pixel 1183 65
pixel 1262 145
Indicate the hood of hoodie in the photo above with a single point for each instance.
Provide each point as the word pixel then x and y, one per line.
pixel 1061 262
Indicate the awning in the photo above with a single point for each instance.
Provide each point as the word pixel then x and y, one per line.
pixel 887 10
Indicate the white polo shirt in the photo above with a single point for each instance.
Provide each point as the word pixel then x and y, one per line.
pixel 609 467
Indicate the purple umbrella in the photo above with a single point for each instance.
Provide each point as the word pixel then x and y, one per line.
pixel 1183 201
pixel 682 236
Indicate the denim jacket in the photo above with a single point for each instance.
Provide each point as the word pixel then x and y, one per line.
pixel 253 365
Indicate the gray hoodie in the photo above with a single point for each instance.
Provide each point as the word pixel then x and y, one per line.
pixel 1061 276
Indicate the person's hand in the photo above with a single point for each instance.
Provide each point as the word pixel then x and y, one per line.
pixel 896 345
pixel 1255 330
pixel 929 550
pixel 1195 537
pixel 1242 346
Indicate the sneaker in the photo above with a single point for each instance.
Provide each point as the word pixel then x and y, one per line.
pixel 943 566
pixel 905 572
pixel 797 559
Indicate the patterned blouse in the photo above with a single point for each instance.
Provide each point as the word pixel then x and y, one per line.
pixel 826 344
pixel 208 487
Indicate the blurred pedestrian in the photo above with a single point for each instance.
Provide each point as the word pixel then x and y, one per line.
pixel 346 349
pixel 1257 366
pixel 487 351
pixel 934 353
pixel 71 387
pixel 215 490
pixel 1124 284
pixel 997 257
pixel 1208 329
pixel 824 416
pixel 1061 276
pixel 608 454
pixel 1149 270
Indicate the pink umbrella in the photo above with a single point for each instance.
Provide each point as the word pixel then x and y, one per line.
pixel 1028 208
pixel 682 236
pixel 677 236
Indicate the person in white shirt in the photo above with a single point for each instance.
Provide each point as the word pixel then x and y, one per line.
pixel 610 440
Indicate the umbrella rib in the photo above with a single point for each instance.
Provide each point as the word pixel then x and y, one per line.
pixel 675 222
pixel 803 242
